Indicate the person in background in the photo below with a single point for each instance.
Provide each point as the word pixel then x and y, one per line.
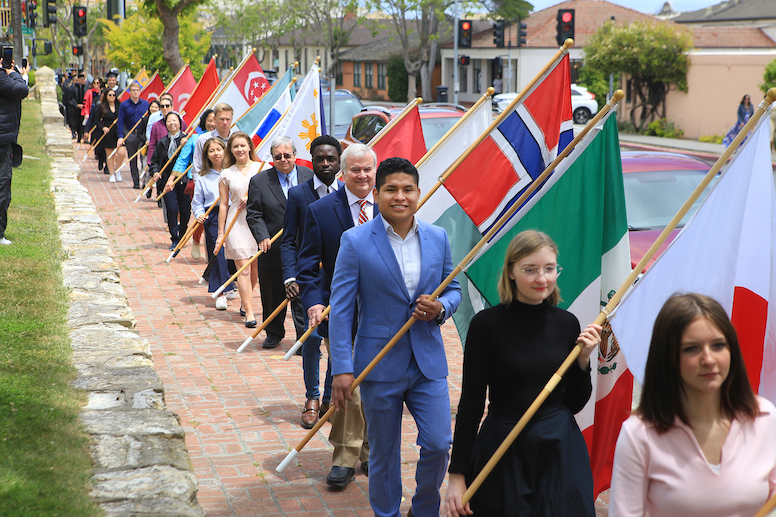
pixel 105 125
pixel 701 443
pixel 546 472
pixel 745 111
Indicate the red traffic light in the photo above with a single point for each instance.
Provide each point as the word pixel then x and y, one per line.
pixel 75 51
pixel 567 16
pixel 81 12
pixel 466 26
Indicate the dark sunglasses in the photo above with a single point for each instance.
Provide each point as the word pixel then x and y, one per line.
pixel 166 105
pixel 279 157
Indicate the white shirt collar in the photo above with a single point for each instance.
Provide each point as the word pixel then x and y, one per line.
pixel 389 229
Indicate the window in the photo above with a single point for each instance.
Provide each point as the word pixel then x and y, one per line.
pixel 339 73
pixel 575 65
pixel 382 71
pixel 357 75
pixel 369 70
pixel 477 76
pixel 464 78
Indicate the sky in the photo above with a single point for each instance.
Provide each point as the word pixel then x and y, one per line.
pixel 645 6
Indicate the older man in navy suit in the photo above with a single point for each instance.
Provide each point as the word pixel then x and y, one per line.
pixel 384 272
pixel 326 153
pixel 325 222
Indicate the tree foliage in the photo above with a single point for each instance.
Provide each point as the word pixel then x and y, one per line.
pixel 507 9
pixel 654 57
pixel 135 43
pixel 397 79
pixel 260 23
pixel 769 76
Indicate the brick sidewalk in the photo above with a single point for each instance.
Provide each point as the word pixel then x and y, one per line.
pixel 241 412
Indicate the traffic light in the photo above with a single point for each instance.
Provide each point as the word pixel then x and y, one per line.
pixel 32 16
pixel 50 13
pixel 78 50
pixel 79 21
pixel 464 33
pixel 522 35
pixel 465 60
pixel 565 25
pixel 498 33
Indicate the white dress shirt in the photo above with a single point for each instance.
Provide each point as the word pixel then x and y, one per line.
pixel 407 251
pixel 322 189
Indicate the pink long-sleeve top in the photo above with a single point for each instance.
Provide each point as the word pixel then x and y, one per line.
pixel 667 475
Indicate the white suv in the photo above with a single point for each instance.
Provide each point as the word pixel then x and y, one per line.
pixel 583 104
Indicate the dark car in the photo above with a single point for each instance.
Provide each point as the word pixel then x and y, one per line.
pixel 346 105
pixel 656 185
pixel 435 119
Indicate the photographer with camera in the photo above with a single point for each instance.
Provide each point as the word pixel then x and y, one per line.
pixel 12 90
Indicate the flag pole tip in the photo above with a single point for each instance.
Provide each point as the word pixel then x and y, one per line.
pixel 568 43
pixel 419 101
pixel 490 91
pixel 771 95
pixel 618 95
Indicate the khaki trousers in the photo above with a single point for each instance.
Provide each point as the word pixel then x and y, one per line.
pixel 348 432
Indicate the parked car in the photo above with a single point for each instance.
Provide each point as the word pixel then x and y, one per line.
pixel 583 104
pixel 346 106
pixel 271 75
pixel 435 119
pixel 656 185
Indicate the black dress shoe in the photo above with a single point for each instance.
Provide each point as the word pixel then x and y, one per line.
pixel 250 324
pixel 242 312
pixel 365 467
pixel 270 343
pixel 339 477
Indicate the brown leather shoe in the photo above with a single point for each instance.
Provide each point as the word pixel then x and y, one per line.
pixel 324 408
pixel 310 414
pixel 409 513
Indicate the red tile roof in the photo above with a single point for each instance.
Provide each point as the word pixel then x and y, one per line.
pixel 731 37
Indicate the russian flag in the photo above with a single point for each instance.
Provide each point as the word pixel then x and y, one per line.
pixel 726 252
pixel 517 151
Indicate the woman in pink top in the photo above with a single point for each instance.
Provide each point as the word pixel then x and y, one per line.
pixel 700 443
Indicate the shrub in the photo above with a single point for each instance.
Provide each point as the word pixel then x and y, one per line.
pixel 712 139
pixel 626 126
pixel 397 79
pixel 663 128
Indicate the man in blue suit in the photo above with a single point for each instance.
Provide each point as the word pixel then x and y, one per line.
pixel 326 153
pixel 325 222
pixel 384 272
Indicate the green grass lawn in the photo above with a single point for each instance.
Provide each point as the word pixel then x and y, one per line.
pixel 44 462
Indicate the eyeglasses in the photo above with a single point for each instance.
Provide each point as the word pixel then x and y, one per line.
pixel 166 105
pixel 279 157
pixel 111 95
pixel 548 271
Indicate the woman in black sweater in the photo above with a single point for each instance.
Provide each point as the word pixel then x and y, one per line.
pixel 512 350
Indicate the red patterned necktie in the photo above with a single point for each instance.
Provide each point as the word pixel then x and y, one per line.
pixel 362 218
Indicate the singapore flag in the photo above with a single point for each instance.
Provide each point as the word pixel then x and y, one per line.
pixel 248 85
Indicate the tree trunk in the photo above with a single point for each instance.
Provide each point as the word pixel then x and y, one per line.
pixel 427 72
pixel 412 90
pixel 170 50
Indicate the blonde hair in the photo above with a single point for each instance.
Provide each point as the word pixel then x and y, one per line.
pixel 206 164
pixel 522 245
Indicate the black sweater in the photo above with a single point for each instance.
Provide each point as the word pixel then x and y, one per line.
pixel 511 352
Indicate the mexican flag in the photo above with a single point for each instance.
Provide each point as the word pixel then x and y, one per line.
pixel 582 207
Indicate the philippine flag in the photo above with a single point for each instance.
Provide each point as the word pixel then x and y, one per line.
pixel 726 252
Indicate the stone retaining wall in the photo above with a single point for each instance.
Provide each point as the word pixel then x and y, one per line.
pixel 141 464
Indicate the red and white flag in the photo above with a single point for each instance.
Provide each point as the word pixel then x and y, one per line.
pixel 246 87
pixel 726 252
pixel 153 89
pixel 181 88
pixel 403 139
pixel 202 93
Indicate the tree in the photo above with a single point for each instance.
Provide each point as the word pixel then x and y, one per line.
pixel 417 21
pixel 136 41
pixel 261 23
pixel 652 54
pixel 169 11
pixel 507 9
pixel 769 76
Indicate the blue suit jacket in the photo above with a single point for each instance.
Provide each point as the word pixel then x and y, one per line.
pixel 325 222
pixel 299 198
pixel 368 274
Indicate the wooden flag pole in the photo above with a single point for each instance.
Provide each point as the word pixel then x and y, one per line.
pixel 379 136
pixel 93 147
pixel 259 99
pixel 264 325
pixel 144 147
pixel 129 133
pixel 303 338
pixel 250 261
pixel 213 60
pixel 562 51
pixel 606 311
pixel 504 219
pixel 767 508
pixel 191 231
pixel 175 182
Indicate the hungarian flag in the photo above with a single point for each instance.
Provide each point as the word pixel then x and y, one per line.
pixel 526 141
pixel 582 207
pixel 153 89
pixel 726 252
pixel 404 138
pixel 246 87
pixel 201 94
pixel 264 114
pixel 182 87
pixel 301 123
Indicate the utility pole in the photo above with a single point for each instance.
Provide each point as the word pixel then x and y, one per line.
pixel 455 55
pixel 18 37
